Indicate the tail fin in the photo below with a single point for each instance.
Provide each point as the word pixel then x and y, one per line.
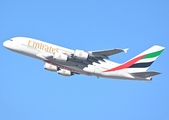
pixel 141 62
pixel 146 58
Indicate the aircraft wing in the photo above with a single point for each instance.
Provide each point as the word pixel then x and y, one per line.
pixel 106 53
pixel 94 56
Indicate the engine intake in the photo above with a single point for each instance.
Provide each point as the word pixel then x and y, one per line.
pixel 65 72
pixel 50 67
pixel 80 54
pixel 58 56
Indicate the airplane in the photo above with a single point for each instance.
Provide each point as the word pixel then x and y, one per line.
pixel 68 62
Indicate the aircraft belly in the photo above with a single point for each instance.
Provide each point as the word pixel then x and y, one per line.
pixel 116 75
pixel 93 70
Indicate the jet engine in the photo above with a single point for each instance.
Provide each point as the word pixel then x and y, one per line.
pixel 65 72
pixel 59 56
pixel 80 54
pixel 50 67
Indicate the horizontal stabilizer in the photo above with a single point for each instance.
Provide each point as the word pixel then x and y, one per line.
pixel 145 74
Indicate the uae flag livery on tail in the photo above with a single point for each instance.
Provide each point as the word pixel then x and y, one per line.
pixel 147 59
pixel 143 60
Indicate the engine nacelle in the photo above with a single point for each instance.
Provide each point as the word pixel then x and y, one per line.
pixel 50 67
pixel 65 72
pixel 80 54
pixel 59 56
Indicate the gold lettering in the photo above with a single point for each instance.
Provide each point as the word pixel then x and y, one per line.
pixel 46 48
pixel 29 43
pixel 53 50
pixel 35 45
pixel 50 49
pixel 41 46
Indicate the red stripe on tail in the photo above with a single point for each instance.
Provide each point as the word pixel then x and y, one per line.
pixel 126 65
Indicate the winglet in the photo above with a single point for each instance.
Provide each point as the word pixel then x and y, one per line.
pixel 125 50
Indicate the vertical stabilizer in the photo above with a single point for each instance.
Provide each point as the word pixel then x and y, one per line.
pixel 141 62
pixel 146 58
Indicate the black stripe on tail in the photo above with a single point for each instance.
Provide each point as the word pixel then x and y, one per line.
pixel 141 65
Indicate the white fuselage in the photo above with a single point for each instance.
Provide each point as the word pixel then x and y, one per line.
pixel 42 50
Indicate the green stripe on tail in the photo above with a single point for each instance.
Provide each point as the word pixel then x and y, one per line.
pixel 154 54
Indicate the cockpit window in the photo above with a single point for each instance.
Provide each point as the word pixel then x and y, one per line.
pixel 11 40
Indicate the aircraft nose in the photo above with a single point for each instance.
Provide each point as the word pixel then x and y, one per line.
pixel 5 44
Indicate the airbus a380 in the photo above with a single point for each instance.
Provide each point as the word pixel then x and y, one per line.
pixel 68 62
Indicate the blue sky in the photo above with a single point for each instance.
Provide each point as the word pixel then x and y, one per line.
pixel 28 92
